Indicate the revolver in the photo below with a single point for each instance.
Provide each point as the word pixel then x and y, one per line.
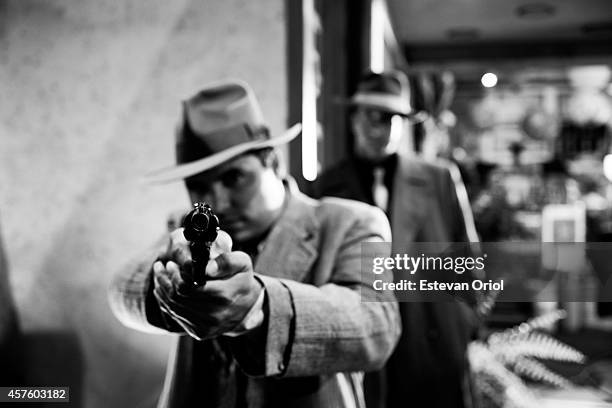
pixel 200 229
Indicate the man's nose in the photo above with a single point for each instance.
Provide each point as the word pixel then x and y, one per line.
pixel 377 132
pixel 219 198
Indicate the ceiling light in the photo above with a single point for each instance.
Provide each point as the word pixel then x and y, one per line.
pixel 489 80
pixel 535 10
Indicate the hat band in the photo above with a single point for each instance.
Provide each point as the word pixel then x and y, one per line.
pixel 194 146
pixel 384 101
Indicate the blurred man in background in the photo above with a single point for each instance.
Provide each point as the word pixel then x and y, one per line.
pixel 280 321
pixel 425 202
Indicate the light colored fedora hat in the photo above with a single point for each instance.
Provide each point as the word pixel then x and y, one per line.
pixel 219 123
pixel 388 91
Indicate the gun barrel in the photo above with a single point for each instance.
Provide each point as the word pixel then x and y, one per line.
pixel 200 254
pixel 200 229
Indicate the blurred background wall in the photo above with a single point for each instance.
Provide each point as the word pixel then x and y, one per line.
pixel 90 98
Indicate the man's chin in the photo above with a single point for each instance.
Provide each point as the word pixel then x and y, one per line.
pixel 374 154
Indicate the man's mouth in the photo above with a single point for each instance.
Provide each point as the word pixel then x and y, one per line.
pixel 377 144
pixel 229 222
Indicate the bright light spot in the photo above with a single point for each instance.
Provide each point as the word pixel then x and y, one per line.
pixel 607 166
pixel 489 80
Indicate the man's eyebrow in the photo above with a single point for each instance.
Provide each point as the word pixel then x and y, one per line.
pixel 200 180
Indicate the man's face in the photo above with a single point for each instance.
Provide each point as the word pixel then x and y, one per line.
pixel 246 195
pixel 377 133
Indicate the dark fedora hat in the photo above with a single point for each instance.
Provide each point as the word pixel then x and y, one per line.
pixel 219 123
pixel 388 91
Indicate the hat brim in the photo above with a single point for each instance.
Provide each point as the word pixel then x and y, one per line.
pixel 413 116
pixel 185 170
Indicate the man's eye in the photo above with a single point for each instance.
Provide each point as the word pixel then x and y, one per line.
pixel 196 186
pixel 233 178
pixel 380 118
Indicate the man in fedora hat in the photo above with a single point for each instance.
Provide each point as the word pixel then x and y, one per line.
pixel 424 202
pixel 280 321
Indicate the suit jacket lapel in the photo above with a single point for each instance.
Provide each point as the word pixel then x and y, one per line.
pixel 411 195
pixel 291 248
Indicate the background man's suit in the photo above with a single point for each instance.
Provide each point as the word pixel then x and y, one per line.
pixel 428 204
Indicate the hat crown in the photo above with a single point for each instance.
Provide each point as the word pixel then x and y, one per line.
pixel 219 117
pixel 222 106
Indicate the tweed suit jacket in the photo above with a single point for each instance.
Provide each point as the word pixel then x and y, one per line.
pixel 428 204
pixel 319 335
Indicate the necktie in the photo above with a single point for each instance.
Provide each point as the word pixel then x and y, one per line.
pixel 379 190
